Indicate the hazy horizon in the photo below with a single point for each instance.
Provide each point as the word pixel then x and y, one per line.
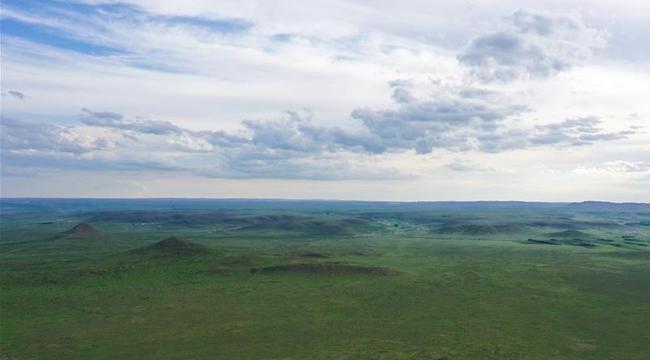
pixel 216 199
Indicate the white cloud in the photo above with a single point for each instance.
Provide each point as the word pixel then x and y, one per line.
pixel 618 166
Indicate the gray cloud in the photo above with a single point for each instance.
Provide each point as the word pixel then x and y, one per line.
pixel 25 136
pixel 467 119
pixel 15 94
pixel 109 119
pixel 531 44
pixel 578 131
pixel 402 93
pixel 455 124
pixel 570 132
pixel 425 125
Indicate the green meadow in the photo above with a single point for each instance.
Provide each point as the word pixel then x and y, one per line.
pixel 323 280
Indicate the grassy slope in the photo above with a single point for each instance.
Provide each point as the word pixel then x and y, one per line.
pixel 458 296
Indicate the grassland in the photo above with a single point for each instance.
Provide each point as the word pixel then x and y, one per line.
pixel 311 280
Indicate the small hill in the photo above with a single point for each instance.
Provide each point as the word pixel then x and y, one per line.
pixel 82 239
pixel 174 247
pixel 82 229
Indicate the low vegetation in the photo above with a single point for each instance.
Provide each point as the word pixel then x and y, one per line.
pixel 282 280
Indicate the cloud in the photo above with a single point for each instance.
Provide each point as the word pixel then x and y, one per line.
pixel 295 147
pixel 32 137
pixel 109 28
pixel 578 131
pixel 570 132
pixel 15 94
pixel 219 25
pixel 532 44
pixel 619 166
pixel 188 142
pixel 225 58
pixel 67 161
pixel 466 166
pixel 113 120
pixel 440 122
pixel 402 91
pixel 243 163
pixel 457 123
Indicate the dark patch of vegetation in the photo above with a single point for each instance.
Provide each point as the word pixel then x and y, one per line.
pixel 575 234
pixel 473 229
pixel 360 253
pixel 630 255
pixel 572 242
pixel 309 254
pixel 544 242
pixel 327 268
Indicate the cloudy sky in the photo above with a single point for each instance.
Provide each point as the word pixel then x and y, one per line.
pixel 378 100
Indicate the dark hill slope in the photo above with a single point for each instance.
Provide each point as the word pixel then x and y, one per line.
pixel 173 247
pixel 82 229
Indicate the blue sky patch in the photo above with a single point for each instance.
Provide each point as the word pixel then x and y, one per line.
pixel 53 37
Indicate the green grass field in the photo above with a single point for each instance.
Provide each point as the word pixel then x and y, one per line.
pixel 324 281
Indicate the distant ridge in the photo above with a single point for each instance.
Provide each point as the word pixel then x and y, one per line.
pixel 9 206
pixel 604 205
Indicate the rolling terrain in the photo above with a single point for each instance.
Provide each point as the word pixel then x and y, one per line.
pixel 237 279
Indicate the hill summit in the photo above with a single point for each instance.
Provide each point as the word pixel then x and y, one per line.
pixel 174 246
pixel 83 229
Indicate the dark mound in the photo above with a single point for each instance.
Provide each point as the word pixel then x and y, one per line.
pixel 573 242
pixel 309 255
pixel 82 229
pixel 330 268
pixel 173 246
pixel 473 229
pixel 574 234
pixel 544 242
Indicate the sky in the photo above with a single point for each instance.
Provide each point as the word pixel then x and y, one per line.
pixel 371 100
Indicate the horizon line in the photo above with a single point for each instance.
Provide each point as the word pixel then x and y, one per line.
pixel 315 199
